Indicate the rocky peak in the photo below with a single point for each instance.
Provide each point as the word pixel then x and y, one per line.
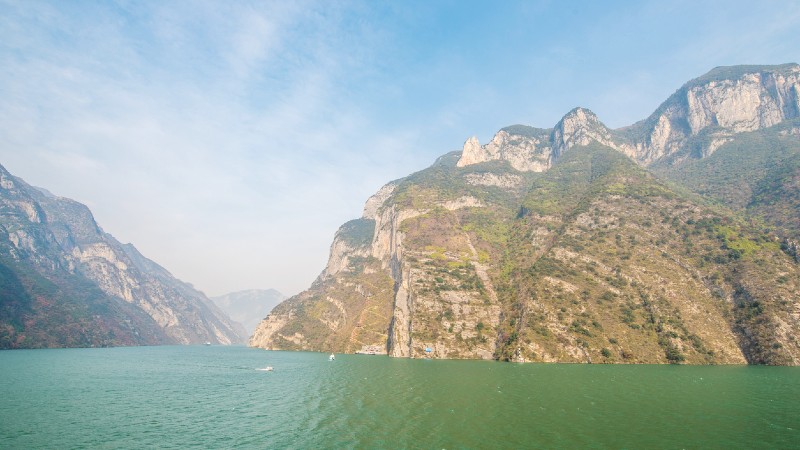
pixel 473 153
pixel 578 117
pixel 579 127
pixel 529 149
pixel 525 149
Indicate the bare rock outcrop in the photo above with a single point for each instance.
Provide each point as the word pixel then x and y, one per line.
pixel 523 153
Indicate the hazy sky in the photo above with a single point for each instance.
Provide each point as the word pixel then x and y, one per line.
pixel 229 140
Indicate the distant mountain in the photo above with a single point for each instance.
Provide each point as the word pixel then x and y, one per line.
pixel 249 307
pixel 64 282
pixel 673 240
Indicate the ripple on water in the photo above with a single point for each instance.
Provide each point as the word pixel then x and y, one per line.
pixel 213 397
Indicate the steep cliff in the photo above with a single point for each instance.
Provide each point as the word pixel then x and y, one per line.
pixel 56 259
pixel 703 114
pixel 559 245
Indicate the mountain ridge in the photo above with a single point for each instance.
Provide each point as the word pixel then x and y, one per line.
pixel 709 103
pixel 58 261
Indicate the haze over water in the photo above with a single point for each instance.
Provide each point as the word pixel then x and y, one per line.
pixel 215 397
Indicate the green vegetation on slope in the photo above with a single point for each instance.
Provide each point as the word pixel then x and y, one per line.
pixel 358 232
pixel 757 173
pixel 41 312
pixel 623 269
pixel 340 314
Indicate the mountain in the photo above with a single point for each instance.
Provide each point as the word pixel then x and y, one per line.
pixel 64 282
pixel 580 243
pixel 249 307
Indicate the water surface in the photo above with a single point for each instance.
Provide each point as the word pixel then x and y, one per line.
pixel 215 397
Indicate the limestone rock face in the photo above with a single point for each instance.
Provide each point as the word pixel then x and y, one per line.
pixel 265 331
pixel 757 100
pixel 725 101
pixel 580 127
pixel 523 153
pixel 344 247
pixel 59 239
pixel 374 203
pixel 529 149
pixel 507 181
pixel 473 153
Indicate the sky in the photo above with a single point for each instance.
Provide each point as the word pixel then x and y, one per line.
pixel 228 141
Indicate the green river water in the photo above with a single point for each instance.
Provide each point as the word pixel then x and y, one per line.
pixel 215 397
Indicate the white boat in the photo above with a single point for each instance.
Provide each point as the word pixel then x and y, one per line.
pixel 332 357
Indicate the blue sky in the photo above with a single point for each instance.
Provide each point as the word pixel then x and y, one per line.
pixel 229 140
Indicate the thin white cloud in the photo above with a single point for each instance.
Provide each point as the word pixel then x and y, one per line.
pixel 228 141
pixel 184 169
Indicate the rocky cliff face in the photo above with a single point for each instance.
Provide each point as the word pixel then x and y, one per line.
pixel 696 120
pixel 707 111
pixel 47 238
pixel 529 152
pixel 556 245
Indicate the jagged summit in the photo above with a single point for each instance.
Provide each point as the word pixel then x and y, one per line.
pixel 579 127
pixel 529 149
pixel 695 121
pixel 579 120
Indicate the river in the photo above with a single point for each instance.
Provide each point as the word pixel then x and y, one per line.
pixel 216 397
